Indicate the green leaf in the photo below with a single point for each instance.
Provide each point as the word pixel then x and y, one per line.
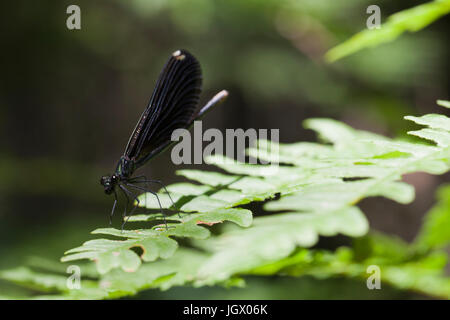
pixel 435 231
pixel 412 20
pixel 444 103
pixel 154 243
pixel 54 285
pixel 274 237
pixel 37 281
pixel 208 178
pixel 315 194
pixel 399 265
pixel 162 274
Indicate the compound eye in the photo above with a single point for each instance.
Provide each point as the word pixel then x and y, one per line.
pixel 114 179
pixel 103 180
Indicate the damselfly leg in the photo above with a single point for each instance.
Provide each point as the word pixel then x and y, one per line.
pixel 113 208
pixel 126 216
pixel 157 198
pixel 135 180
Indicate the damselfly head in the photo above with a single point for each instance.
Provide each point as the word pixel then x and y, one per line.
pixel 109 182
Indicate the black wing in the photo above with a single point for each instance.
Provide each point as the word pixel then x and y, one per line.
pixel 217 99
pixel 173 105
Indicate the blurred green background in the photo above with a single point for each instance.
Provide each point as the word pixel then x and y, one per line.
pixel 70 99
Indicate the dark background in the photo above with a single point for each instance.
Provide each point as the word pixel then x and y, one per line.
pixel 70 99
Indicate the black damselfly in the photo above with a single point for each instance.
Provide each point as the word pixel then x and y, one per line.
pixel 173 105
